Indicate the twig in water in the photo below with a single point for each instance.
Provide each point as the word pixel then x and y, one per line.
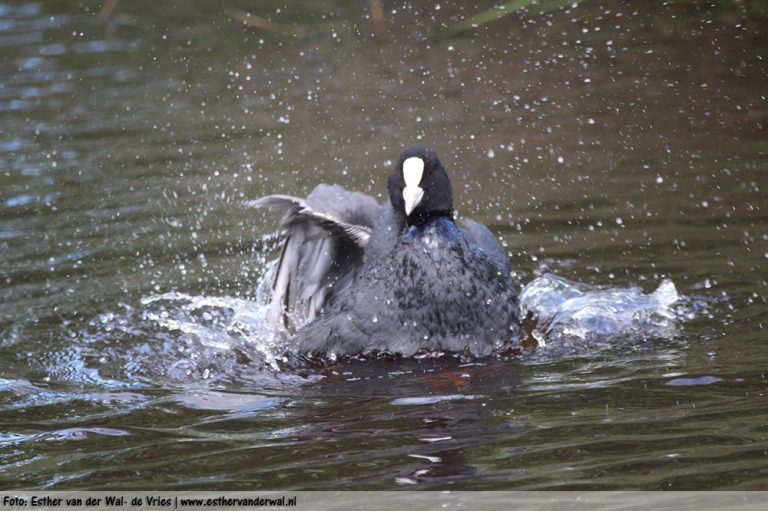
pixel 500 11
pixel 260 23
pixel 377 15
pixel 107 10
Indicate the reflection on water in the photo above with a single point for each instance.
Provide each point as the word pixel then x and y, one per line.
pixel 614 150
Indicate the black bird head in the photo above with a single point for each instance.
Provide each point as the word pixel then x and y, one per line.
pixel 419 187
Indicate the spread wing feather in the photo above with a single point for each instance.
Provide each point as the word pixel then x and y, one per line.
pixel 298 211
pixel 325 239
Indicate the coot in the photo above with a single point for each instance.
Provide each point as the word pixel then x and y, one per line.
pixel 356 277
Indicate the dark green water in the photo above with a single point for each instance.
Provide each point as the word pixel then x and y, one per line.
pixel 612 143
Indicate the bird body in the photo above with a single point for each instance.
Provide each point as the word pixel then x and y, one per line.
pixel 399 277
pixel 432 290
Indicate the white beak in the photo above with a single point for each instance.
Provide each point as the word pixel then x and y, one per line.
pixel 412 195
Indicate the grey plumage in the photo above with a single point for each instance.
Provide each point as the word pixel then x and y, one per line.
pixel 481 236
pixel 431 289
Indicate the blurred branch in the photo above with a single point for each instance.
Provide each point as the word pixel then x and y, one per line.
pixel 503 10
pixel 107 10
pixel 377 15
pixel 260 23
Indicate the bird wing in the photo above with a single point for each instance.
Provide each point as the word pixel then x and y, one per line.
pixel 298 211
pixel 325 239
pixel 482 237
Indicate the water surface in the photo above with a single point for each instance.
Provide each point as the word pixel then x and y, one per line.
pixel 612 145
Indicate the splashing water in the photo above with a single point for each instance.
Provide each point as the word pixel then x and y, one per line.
pixel 176 338
pixel 182 338
pixel 573 312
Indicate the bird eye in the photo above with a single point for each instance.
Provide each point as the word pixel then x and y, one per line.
pixel 430 172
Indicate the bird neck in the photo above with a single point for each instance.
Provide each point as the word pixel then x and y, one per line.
pixel 419 219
